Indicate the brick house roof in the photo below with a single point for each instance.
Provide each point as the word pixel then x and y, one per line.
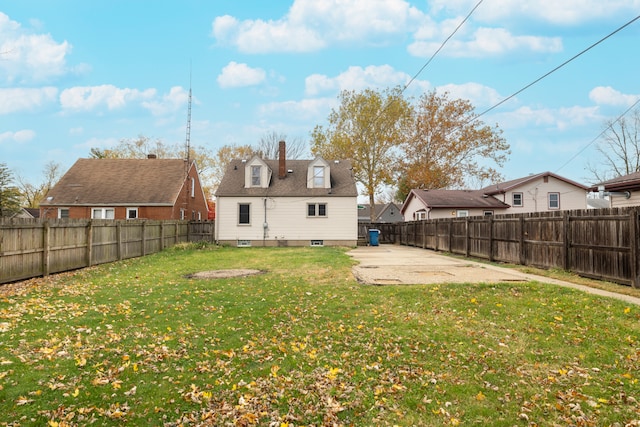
pixel 295 183
pixel 113 182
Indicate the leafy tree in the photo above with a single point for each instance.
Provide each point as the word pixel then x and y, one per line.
pixel 449 148
pixel 9 194
pixel 619 148
pixel 224 155
pixel 367 129
pixel 269 146
pixel 33 194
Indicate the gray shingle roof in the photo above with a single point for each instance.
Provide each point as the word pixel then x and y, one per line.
pixel 624 182
pixel 503 187
pixel 294 185
pixel 114 182
pixel 458 199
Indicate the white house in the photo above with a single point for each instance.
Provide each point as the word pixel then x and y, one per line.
pixel 304 203
pixel 534 193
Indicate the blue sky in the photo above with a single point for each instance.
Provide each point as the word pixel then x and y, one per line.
pixel 81 74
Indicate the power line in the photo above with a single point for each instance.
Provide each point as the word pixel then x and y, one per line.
pixel 600 134
pixel 555 69
pixel 442 45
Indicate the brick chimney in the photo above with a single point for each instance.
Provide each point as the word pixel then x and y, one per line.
pixel 282 165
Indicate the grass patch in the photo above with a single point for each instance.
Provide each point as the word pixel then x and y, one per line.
pixel 141 343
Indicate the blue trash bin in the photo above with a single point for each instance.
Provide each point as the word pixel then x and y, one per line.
pixel 373 237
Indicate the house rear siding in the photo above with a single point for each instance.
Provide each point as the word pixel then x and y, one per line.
pixel 287 221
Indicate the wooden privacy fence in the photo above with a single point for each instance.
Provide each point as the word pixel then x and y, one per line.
pixel 601 244
pixel 31 248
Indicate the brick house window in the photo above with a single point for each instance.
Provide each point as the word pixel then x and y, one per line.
pixel 63 213
pixel 132 213
pixel 103 213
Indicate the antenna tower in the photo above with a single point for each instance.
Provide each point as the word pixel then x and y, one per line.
pixel 187 142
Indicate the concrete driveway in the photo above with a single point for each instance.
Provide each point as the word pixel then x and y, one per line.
pixel 403 265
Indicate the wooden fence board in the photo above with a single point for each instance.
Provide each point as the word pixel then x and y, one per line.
pixel 31 248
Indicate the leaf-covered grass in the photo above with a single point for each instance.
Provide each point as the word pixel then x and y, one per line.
pixel 138 342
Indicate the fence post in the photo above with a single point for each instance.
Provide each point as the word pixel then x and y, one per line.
pixel 522 242
pixel 89 243
pixel 119 240
pixel 491 252
pixel 45 248
pixel 161 235
pixel 450 222
pixel 566 230
pixel 467 233
pixel 633 228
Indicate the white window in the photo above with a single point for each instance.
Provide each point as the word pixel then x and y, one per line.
pixel 103 213
pixel 517 199
pixel 132 213
pixel 318 176
pixel 420 215
pixel 317 209
pixel 255 176
pixel 244 213
pixel 554 200
pixel 462 213
pixel 193 187
pixel 183 214
pixel 63 213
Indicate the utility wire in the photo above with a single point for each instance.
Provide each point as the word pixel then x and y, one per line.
pixel 442 45
pixel 554 70
pixel 599 135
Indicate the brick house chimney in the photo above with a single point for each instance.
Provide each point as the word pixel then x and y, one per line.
pixel 282 164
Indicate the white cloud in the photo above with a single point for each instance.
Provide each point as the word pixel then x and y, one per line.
pixel 565 12
pixel 240 75
pixel 16 100
pixel 561 119
pixel 307 109
pixel 358 78
pixel 477 94
pixel 30 57
pixel 312 25
pixel 20 136
pixel 485 42
pixel 87 98
pixel 170 103
pixel 606 95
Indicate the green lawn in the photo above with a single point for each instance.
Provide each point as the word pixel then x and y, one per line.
pixel 138 342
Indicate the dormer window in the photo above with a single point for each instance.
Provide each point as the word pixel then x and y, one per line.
pixel 255 176
pixel 318 176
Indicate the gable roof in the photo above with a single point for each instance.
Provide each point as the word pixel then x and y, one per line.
pixel 364 210
pixel 625 182
pixel 466 199
pixel 503 187
pixel 294 184
pixel 115 182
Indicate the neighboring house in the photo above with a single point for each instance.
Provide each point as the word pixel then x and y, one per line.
pixel 433 204
pixel 27 213
pixel 541 192
pixel 384 212
pixel 622 191
pixel 127 189
pixel 535 193
pixel 287 203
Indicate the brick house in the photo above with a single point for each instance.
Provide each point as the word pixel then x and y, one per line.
pixel 127 189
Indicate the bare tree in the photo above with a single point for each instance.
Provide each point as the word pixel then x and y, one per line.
pixel 269 146
pixel 619 148
pixel 32 194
